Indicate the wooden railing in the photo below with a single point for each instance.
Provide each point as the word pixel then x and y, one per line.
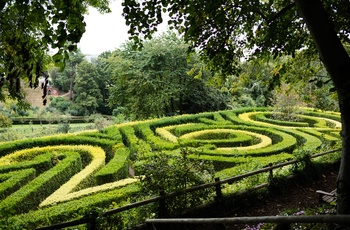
pixel 91 220
pixel 284 221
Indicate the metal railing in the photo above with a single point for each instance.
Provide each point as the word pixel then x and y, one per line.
pixel 91 221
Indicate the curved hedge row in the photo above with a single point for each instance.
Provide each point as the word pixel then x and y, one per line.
pixel 69 174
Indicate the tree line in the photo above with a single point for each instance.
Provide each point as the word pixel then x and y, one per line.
pixel 163 79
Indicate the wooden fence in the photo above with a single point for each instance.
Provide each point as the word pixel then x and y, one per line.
pixel 91 219
pixel 283 222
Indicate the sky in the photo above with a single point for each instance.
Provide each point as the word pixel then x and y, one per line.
pixel 105 32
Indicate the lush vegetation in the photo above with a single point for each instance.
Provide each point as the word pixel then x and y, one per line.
pixel 148 84
pixel 226 31
pixel 71 174
pixel 173 83
pixel 222 32
pixel 76 172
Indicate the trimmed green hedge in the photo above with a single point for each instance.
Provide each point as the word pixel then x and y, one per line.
pixel 31 194
pixel 63 139
pixel 116 169
pixel 72 209
pixel 266 117
pixel 40 163
pixel 225 138
pixel 13 181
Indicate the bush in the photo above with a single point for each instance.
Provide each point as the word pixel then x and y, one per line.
pixel 60 104
pixel 286 103
pixel 5 122
pixel 63 127
pixel 176 174
pixel 102 122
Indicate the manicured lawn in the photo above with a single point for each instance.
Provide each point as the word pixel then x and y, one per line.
pixel 17 132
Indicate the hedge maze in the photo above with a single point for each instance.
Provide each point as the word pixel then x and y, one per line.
pixel 54 179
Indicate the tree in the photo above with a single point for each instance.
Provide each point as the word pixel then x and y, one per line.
pixel 224 31
pixel 104 80
pixel 155 81
pixel 87 93
pixel 64 80
pixel 5 121
pixel 306 74
pixel 286 103
pixel 28 29
pixel 254 84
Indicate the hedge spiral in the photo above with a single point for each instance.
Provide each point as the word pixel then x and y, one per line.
pixel 50 179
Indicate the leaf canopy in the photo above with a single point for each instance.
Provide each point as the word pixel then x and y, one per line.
pixel 226 31
pixel 29 29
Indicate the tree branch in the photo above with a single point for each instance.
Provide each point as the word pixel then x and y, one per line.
pixel 281 12
pixel 2 5
pixel 277 15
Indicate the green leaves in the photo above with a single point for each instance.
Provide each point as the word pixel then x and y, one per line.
pixel 29 29
pixel 177 173
pixel 86 88
pixel 155 81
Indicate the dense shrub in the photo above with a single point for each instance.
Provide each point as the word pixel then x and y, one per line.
pixel 5 122
pixel 176 174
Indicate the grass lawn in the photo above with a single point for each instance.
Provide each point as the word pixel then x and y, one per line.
pixel 17 132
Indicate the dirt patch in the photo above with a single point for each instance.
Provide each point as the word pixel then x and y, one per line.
pixel 299 195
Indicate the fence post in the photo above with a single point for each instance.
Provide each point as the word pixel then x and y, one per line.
pixel 273 187
pixel 92 220
pixel 162 212
pixel 218 190
pixel 308 162
pixel 283 226
pixel 270 172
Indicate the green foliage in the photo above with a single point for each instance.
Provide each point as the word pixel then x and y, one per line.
pixel 101 122
pixel 60 104
pixel 286 103
pixel 315 88
pixel 34 192
pixel 5 122
pixel 15 180
pixel 40 163
pixel 221 144
pixel 87 93
pixel 116 169
pixel 171 82
pixel 76 208
pixel 63 127
pixel 176 174
pixel 271 118
pixel 28 31
pixel 105 144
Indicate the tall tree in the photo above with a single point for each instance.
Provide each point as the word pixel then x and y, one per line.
pixel 307 76
pixel 155 81
pixel 104 80
pixel 225 30
pixel 87 93
pixel 65 80
pixel 28 29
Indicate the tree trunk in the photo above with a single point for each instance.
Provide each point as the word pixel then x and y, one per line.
pixel 72 76
pixel 71 89
pixel 337 62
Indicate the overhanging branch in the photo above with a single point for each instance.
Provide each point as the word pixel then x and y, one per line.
pixel 277 15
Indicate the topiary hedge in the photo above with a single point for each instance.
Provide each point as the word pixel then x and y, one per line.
pixel 57 178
